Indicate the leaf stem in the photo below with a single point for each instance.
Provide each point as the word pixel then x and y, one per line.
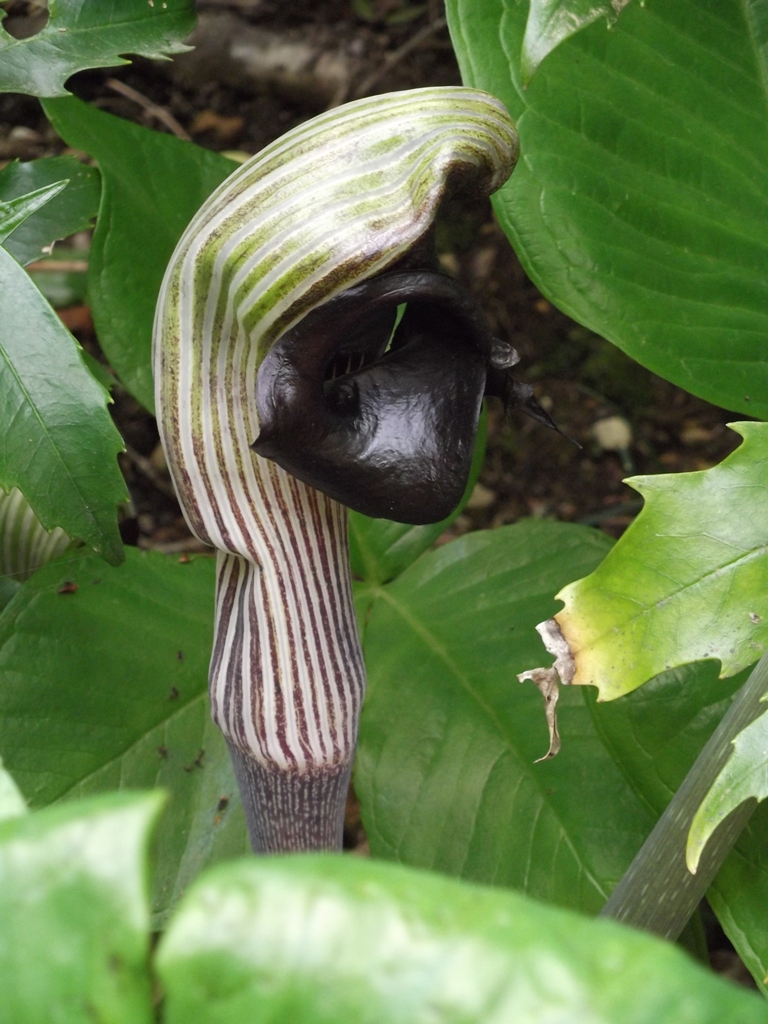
pixel 658 893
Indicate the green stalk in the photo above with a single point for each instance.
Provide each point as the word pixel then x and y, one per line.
pixel 658 893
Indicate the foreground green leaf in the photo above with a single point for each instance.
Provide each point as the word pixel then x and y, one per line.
pixel 655 734
pixel 73 210
pixel 690 573
pixel 445 769
pixel 103 685
pixel 551 22
pixel 152 185
pixel 74 915
pixel 91 34
pixel 640 202
pixel 59 443
pixel 326 939
pixel 744 777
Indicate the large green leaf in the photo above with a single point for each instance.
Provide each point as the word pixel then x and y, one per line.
pixel 152 185
pixel 639 203
pixel 445 769
pixel 326 939
pixel 59 443
pixel 91 34
pixel 655 734
pixel 687 581
pixel 73 210
pixel 380 549
pixel 103 685
pixel 74 915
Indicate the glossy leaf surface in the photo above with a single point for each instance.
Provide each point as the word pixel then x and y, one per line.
pixel 551 22
pixel 74 915
pixel 59 443
pixel 687 581
pixel 83 34
pixel 329 939
pixel 72 210
pixel 639 203
pixel 152 184
pixel 655 734
pixel 380 549
pixel 445 769
pixel 103 685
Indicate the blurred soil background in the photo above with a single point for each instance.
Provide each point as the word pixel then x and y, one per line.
pixel 259 68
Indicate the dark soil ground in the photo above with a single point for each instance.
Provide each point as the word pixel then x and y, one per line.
pixel 259 68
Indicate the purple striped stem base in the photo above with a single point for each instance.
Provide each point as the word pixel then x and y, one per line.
pixel 288 813
pixel 287 675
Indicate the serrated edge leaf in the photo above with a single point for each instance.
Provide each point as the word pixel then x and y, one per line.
pixel 579 628
pixel 105 542
pixel 51 35
pixel 15 211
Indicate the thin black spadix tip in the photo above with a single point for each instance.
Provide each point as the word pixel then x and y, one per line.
pixel 288 812
pixel 381 415
pixel 516 395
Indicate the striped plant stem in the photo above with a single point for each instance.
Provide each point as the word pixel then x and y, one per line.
pixel 334 202
pixel 25 544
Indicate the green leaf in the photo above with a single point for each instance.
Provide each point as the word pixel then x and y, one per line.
pixel 73 210
pixel 152 185
pixel 104 376
pixel 655 734
pixel 84 34
pixel 380 549
pixel 551 22
pixel 739 895
pixel 105 687
pixel 639 203
pixel 445 769
pixel 74 919
pixel 745 776
pixel 15 211
pixel 12 803
pixel 684 583
pixel 59 442
pixel 329 939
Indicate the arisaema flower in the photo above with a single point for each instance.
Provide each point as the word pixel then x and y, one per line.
pixel 309 356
